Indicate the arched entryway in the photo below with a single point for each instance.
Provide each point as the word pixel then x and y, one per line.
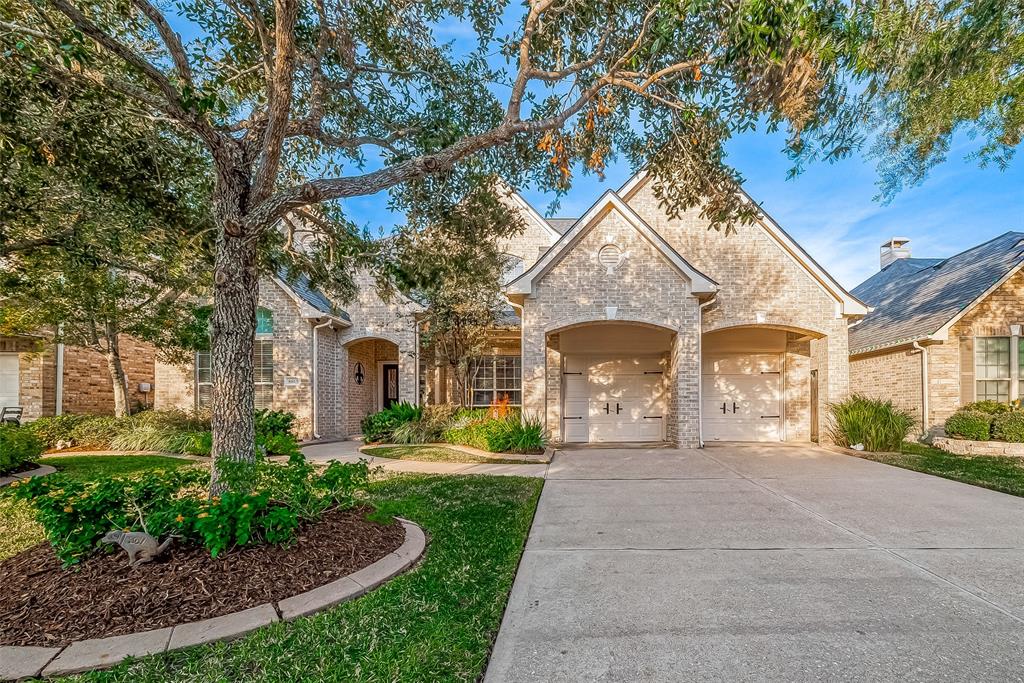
pixel 616 382
pixel 757 384
pixel 374 379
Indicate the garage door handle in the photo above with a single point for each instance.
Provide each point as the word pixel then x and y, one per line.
pixel 578 417
pixel 770 417
pixel 653 417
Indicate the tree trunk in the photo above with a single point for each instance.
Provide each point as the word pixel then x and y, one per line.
pixel 236 292
pixel 116 369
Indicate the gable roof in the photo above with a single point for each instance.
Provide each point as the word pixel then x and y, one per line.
pixel 850 304
pixel 304 292
pixel 915 298
pixel 699 282
pixel 562 224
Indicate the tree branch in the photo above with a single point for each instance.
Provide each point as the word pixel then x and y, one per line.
pixel 279 100
pixel 171 39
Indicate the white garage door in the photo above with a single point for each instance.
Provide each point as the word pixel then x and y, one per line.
pixel 614 399
pixel 742 397
pixel 9 395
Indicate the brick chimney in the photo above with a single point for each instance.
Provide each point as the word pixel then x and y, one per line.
pixel 893 250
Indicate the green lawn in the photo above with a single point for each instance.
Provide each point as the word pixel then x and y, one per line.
pixel 18 529
pixel 992 472
pixel 86 467
pixel 434 623
pixel 436 454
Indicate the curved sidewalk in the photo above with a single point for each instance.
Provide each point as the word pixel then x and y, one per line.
pixel 348 451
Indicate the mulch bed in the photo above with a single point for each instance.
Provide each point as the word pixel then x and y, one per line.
pixel 42 604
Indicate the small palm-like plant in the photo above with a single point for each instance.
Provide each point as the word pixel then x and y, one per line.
pixel 877 424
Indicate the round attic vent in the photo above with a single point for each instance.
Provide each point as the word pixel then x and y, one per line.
pixel 610 257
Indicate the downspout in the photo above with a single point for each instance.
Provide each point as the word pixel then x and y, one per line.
pixel 700 370
pixel 925 412
pixel 316 376
pixel 58 394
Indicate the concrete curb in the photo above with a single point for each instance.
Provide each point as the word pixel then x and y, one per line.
pixel 100 653
pixel 40 471
pixel 523 458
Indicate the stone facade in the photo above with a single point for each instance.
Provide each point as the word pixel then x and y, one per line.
pixel 965 447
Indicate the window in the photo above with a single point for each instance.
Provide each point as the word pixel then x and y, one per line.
pixel 992 368
pixel 204 379
pixel 263 375
pixel 495 377
pixel 264 321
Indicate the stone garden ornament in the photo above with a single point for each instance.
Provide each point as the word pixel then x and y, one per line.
pixel 140 546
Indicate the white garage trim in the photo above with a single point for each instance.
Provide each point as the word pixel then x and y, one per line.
pixel 10 380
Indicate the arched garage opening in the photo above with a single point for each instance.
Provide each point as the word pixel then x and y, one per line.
pixel 757 384
pixel 616 379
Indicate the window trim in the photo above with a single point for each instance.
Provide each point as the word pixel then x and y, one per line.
pixel 495 392
pixel 1009 379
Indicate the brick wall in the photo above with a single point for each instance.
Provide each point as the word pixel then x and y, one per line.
pixel 894 376
pixel 578 289
pixel 530 244
pixel 87 384
pixel 760 284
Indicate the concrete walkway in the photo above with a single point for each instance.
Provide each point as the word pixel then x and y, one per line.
pixel 348 451
pixel 763 563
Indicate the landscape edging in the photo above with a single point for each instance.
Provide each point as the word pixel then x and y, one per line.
pixel 40 471
pixel 96 653
pixel 967 447
pixel 526 458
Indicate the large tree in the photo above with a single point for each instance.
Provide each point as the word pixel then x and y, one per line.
pixel 300 102
pixel 102 221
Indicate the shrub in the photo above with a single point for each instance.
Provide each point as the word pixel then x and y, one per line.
pixel 877 424
pixel 55 430
pixel 199 443
pixel 970 424
pixel 263 502
pixel 380 426
pixel 75 515
pixel 96 431
pixel 511 434
pixel 277 444
pixel 988 407
pixel 430 428
pixel 154 438
pixel 1009 426
pixel 274 422
pixel 18 446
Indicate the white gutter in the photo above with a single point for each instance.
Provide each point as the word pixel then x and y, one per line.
pixel 59 391
pixel 316 376
pixel 700 370
pixel 925 412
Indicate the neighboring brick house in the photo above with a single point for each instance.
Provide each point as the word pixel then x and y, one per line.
pixel 38 375
pixel 942 332
pixel 626 325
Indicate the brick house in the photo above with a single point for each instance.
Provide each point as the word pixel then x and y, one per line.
pixel 46 379
pixel 626 325
pixel 942 332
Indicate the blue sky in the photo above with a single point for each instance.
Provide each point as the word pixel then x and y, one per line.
pixel 830 209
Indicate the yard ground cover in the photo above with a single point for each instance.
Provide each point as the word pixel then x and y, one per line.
pixel 436 454
pixel 18 529
pixel 992 472
pixel 434 623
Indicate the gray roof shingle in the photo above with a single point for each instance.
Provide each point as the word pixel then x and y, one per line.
pixel 915 297
pixel 561 224
pixel 305 290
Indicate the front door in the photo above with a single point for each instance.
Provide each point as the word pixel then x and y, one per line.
pixel 389 392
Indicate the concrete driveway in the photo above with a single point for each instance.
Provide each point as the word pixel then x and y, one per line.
pixel 748 562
